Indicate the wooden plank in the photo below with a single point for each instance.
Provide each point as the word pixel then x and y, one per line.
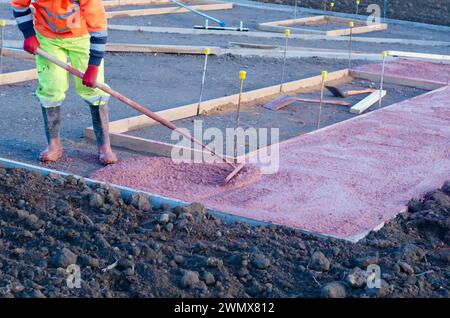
pixel 358 30
pixel 280 102
pixel 168 49
pixel 142 145
pixel 137 122
pixel 368 101
pixel 18 77
pixel 253 45
pixel 167 10
pixel 397 80
pixel 116 3
pixel 422 56
pixel 18 54
pixel 325 101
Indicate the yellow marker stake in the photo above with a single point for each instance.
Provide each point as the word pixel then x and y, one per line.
pixel 384 54
pixel 242 77
pixel 2 24
pixel 357 6
pixel 324 77
pixel 206 51
pixel 351 24
pixel 287 34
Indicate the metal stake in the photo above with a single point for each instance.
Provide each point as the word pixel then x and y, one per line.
pixel 357 6
pixel 384 54
pixel 324 76
pixel 206 51
pixel 2 26
pixel 351 24
pixel 287 33
pixel 242 77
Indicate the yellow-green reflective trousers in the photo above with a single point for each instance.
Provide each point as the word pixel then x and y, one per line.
pixel 54 81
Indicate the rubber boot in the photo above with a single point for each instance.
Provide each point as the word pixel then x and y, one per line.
pixel 100 123
pixel 52 123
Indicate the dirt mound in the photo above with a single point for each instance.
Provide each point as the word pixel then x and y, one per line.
pixel 127 248
pixel 436 11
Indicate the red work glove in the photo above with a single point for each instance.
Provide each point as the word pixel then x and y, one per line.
pixel 90 76
pixel 31 44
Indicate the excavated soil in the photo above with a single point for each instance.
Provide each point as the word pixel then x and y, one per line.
pixel 127 248
pixel 436 11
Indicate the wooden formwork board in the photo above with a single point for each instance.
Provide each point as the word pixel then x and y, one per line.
pixel 18 77
pixel 119 128
pixel 303 23
pixel 152 48
pixel 167 10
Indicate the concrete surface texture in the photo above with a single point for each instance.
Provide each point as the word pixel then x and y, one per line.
pixel 344 180
pixel 418 70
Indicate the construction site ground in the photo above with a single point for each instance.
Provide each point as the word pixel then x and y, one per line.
pixel 198 255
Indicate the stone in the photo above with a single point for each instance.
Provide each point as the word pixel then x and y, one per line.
pixel 333 290
pixel 63 258
pixel 357 278
pixel 208 278
pixel 140 201
pixel 189 279
pixel 405 267
pixel 96 200
pixel 319 262
pixel 260 261
pixel 164 218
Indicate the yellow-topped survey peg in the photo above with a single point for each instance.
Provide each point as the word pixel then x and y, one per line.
pixel 351 24
pixel 207 51
pixel 2 23
pixel 287 32
pixel 384 54
pixel 242 75
pixel 324 74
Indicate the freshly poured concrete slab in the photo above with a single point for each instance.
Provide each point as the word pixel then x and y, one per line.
pixel 341 181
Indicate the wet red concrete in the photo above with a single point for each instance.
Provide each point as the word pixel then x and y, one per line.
pixel 191 182
pixel 342 181
pixel 435 73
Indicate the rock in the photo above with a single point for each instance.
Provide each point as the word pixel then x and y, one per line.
pixel 415 206
pixel 169 227
pixel 357 278
pixel 412 253
pixel 319 262
pixel 96 200
pixel 446 188
pixel 64 258
pixel 441 198
pixel 179 259
pixel 36 293
pixel 189 279
pixel 405 267
pixel 208 278
pixel 260 261
pixel 199 247
pixel 164 218
pixel 365 261
pixel 333 290
pixel 213 262
pixel 140 201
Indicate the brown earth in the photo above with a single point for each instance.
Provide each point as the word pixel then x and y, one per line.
pixel 435 12
pixel 127 248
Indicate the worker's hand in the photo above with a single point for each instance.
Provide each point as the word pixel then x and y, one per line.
pixel 31 44
pixel 90 76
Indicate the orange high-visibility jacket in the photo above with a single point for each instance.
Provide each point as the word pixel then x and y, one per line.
pixel 65 18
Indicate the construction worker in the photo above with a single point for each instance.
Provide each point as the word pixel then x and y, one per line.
pixel 74 29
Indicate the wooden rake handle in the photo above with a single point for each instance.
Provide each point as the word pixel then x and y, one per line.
pixel 131 103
